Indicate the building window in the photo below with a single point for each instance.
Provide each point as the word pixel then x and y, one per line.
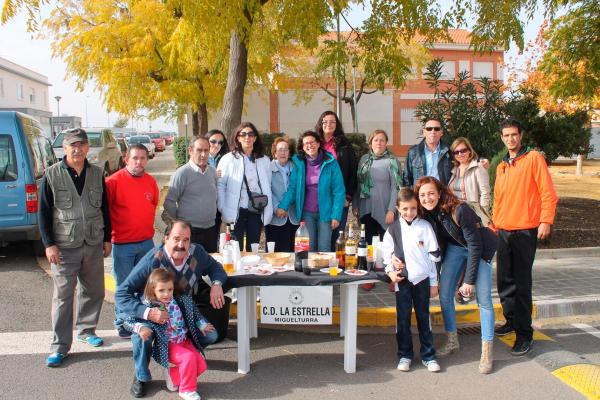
pixel 20 94
pixel 483 70
pixel 31 95
pixel 464 66
pixel 448 70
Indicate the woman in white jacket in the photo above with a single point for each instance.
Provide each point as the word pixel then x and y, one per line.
pixel 246 160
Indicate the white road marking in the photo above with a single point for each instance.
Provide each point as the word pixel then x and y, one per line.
pixel 588 328
pixel 15 343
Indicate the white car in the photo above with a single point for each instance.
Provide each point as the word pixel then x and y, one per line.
pixel 104 150
pixel 146 141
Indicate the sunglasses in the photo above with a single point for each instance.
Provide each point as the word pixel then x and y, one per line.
pixel 248 133
pixel 214 141
pixel 433 128
pixel 461 151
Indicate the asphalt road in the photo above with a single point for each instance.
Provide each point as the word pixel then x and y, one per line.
pixel 300 364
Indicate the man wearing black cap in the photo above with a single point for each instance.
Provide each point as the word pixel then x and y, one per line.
pixel 75 229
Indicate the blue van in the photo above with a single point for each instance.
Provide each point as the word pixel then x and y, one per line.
pixel 25 154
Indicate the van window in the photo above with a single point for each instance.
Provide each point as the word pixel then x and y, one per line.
pixel 8 162
pixel 47 152
pixel 36 157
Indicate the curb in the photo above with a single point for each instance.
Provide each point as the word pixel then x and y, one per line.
pixel 555 254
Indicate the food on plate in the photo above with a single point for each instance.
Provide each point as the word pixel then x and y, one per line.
pixel 318 260
pixel 355 271
pixel 277 259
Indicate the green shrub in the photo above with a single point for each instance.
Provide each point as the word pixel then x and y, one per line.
pixel 180 146
pixel 359 143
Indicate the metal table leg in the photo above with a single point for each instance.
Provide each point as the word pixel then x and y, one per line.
pixel 349 312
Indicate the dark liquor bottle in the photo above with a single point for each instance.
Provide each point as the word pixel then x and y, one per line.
pixel 362 250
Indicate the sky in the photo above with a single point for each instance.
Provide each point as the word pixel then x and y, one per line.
pixel 18 46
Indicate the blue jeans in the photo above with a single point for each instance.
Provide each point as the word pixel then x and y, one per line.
pixel 125 257
pixel 319 232
pixel 142 351
pixel 454 263
pixel 407 297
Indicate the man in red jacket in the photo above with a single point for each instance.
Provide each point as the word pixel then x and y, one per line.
pixel 524 208
pixel 132 199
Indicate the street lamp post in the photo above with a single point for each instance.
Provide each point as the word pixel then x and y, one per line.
pixel 57 98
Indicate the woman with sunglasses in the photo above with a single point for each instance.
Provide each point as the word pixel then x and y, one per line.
pixel 316 191
pixel 245 173
pixel 218 147
pixel 466 246
pixel 281 230
pixel 335 142
pixel 469 180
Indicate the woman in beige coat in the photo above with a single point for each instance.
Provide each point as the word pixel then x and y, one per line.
pixel 470 181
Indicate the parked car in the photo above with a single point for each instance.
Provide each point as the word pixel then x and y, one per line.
pixel 146 141
pixel 25 155
pixel 169 137
pixel 159 142
pixel 123 146
pixel 104 151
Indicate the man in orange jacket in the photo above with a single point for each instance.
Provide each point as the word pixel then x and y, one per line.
pixel 524 208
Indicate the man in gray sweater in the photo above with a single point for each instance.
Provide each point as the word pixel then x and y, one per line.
pixel 192 195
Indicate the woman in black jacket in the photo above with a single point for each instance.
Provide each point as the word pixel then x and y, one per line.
pixel 331 132
pixel 465 244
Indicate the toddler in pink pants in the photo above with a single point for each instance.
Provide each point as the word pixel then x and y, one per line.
pixel 177 340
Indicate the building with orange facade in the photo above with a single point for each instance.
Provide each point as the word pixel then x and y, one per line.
pixel 392 110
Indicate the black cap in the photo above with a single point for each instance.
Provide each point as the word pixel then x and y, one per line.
pixel 75 135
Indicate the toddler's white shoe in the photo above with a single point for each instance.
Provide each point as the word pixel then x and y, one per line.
pixel 404 365
pixel 170 385
pixel 190 395
pixel 432 365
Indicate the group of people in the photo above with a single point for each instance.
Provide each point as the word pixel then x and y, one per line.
pixel 435 210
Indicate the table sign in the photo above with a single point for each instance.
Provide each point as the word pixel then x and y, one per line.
pixel 301 305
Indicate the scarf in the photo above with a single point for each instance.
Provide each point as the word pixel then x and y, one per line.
pixel 285 171
pixel 317 160
pixel 364 173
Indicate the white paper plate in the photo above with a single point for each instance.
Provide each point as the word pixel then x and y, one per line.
pixel 355 272
pixel 326 270
pixel 262 271
pixel 283 268
pixel 250 260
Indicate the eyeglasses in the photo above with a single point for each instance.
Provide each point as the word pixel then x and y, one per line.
pixel 282 150
pixel 433 128
pixel 332 122
pixel 247 133
pixel 214 141
pixel 310 144
pixel 461 151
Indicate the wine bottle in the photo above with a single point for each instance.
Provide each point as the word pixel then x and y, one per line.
pixel 362 250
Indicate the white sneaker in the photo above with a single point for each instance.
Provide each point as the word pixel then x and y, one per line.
pixel 432 366
pixel 190 395
pixel 404 365
pixel 170 385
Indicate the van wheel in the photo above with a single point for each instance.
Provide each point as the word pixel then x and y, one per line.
pixel 106 172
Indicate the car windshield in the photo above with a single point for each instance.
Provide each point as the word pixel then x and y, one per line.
pixel 155 136
pixel 94 139
pixel 139 139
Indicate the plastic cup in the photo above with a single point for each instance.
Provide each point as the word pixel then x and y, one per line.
pixel 221 242
pixel 306 267
pixel 254 247
pixel 333 267
pixel 271 247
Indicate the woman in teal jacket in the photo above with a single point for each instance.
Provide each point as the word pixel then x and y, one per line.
pixel 316 189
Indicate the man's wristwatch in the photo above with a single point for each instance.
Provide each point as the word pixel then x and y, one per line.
pixel 217 283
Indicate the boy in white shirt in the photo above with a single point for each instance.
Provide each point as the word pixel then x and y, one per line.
pixel 410 250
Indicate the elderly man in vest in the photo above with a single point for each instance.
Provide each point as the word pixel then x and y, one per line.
pixel 75 229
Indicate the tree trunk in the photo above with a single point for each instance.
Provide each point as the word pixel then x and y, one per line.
pixel 202 118
pixel 233 101
pixel 579 168
pixel 195 125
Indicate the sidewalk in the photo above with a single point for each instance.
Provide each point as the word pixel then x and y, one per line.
pixel 566 282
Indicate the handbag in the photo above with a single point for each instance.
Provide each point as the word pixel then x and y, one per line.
pixel 256 201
